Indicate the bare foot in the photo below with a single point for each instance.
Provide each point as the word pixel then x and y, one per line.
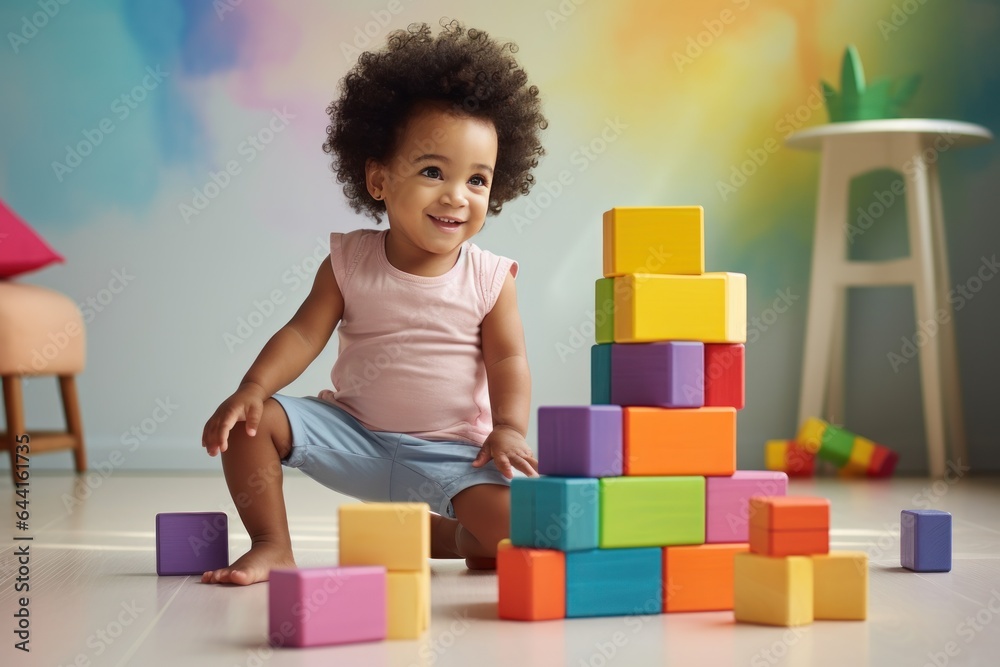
pixel 253 566
pixel 481 563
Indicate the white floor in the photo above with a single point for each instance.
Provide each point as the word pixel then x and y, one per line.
pixel 95 598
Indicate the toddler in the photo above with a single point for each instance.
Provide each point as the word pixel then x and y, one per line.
pixel 431 389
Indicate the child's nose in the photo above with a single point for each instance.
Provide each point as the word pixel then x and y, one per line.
pixel 454 196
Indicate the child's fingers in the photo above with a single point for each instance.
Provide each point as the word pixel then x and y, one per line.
pixel 525 464
pixel 253 418
pixel 503 465
pixel 482 458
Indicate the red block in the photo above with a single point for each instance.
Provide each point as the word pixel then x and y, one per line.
pixel 883 462
pixel 725 375
pixel 799 461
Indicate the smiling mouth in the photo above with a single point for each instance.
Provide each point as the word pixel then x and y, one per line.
pixel 446 221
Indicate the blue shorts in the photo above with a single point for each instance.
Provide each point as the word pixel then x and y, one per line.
pixel 336 450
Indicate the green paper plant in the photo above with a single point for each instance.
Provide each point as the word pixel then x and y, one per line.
pixel 856 101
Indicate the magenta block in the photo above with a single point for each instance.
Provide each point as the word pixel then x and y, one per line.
pixel 580 441
pixel 191 542
pixel 727 502
pixel 326 605
pixel 662 374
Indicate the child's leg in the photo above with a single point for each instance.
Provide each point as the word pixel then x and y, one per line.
pixel 252 466
pixel 484 514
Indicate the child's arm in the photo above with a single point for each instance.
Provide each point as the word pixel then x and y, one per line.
pixel 510 386
pixel 284 357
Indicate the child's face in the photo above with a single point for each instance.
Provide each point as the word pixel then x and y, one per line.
pixel 437 185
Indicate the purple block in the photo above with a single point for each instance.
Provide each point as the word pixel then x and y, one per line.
pixel 727 502
pixel 580 441
pixel 320 606
pixel 663 374
pixel 191 542
pixel 925 540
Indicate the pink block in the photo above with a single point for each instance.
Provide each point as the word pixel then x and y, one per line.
pixel 727 502
pixel 326 605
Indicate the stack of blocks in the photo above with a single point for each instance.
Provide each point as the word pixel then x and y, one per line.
pixel 789 577
pixel 853 455
pixel 639 508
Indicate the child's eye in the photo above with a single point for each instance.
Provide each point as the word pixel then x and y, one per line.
pixel 478 180
pixel 431 172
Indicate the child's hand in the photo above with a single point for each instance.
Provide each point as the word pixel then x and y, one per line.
pixel 507 448
pixel 246 404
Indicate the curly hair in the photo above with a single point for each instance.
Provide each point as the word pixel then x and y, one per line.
pixel 465 69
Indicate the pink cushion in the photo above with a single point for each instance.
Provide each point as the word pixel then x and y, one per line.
pixel 41 331
pixel 21 249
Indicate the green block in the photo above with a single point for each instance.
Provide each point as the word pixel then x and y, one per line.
pixel 651 511
pixel 604 310
pixel 600 374
pixel 836 446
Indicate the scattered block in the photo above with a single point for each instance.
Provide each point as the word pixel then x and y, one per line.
pixel 191 542
pixel 651 511
pixel 600 374
pixel 925 540
pixel 789 525
pixel 836 445
pixel 860 458
pixel 532 583
pixel 344 605
pixel 680 441
pixel 614 582
pixel 727 502
pixel 668 374
pixel 522 511
pixel 789 457
pixel 408 603
pixel 852 454
pixel 773 591
pixel 883 462
pixel 699 578
pixel 580 440
pixel 810 434
pixel 711 308
pixel 604 310
pixel 725 375
pixel 394 535
pixel 840 586
pixel 566 513
pixel 662 240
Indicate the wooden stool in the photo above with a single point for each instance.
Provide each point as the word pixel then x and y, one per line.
pixel 41 333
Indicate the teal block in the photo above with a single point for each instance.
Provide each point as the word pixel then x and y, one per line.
pixel 836 446
pixel 522 511
pixel 614 582
pixel 604 310
pixel 566 513
pixel 600 374
pixel 652 511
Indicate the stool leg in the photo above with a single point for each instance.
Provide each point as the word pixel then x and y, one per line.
pixel 13 401
pixel 835 390
pixel 74 424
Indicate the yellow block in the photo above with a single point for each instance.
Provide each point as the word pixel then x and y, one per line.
pixel 394 535
pixel 774 454
pixel 661 240
pixel 773 591
pixel 408 603
pixel 811 434
pixel 711 308
pixel 861 453
pixel 840 586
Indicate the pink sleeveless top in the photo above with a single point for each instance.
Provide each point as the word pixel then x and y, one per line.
pixel 411 358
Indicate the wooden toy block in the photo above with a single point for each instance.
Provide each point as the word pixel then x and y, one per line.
pixel 532 583
pixel 775 452
pixel 662 240
pixel 711 308
pixel 925 540
pixel 861 454
pixel 810 435
pixel 600 374
pixel 651 511
pixel 408 603
pixel 580 440
pixel 344 605
pixel 522 511
pixel 772 591
pixel 604 310
pixel 191 542
pixel 789 542
pixel 668 374
pixel 699 578
pixel 840 586
pixel 883 462
pixel 790 457
pixel 614 582
pixel 566 513
pixel 394 535
pixel 725 375
pixel 789 513
pixel 727 502
pixel 836 446
pixel 681 441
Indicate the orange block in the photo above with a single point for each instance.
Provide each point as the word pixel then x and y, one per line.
pixel 532 583
pixel 790 513
pixel 679 441
pixel 699 577
pixel 789 542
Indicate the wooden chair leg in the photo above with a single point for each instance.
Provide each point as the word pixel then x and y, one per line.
pixel 13 401
pixel 74 423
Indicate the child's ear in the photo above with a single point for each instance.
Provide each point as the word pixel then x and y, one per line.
pixel 374 178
